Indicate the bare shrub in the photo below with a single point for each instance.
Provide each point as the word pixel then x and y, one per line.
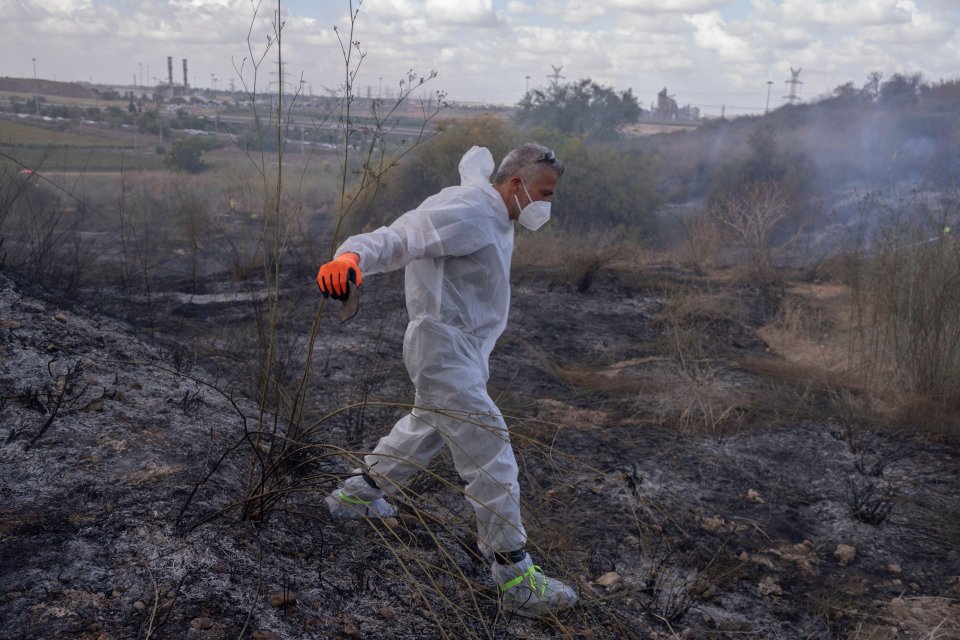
pixel 41 226
pixel 13 186
pixel 64 392
pixel 751 215
pixel 668 582
pixel 279 444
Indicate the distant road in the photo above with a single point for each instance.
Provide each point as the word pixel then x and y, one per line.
pixel 406 131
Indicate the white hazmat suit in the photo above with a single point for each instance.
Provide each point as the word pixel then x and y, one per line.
pixel 456 247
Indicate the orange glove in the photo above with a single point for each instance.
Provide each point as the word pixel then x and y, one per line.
pixel 333 276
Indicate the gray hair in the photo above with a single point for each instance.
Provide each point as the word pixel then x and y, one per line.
pixel 524 160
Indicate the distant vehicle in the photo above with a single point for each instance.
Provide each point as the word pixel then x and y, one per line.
pixel 26 172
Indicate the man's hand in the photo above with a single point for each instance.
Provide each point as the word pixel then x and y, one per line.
pixel 333 276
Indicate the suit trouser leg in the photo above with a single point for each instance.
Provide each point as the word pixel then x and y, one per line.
pixel 483 457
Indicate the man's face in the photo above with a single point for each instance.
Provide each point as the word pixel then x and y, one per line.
pixel 540 187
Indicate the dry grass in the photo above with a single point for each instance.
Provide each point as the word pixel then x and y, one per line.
pixel 685 388
pixel 614 380
pixel 816 369
pixel 703 244
pixel 578 256
pixel 925 617
pixel 812 330
pixel 686 306
pixel 22 133
pixel 826 339
pixel 703 406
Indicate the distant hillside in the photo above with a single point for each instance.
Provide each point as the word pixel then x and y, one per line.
pixel 46 88
pixel 902 132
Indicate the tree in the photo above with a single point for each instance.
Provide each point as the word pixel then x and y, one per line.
pixel 871 90
pixel 764 162
pixel 148 121
pixel 848 94
pixel 186 155
pixel 901 90
pixel 580 108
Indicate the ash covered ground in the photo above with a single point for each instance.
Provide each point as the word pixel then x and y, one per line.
pixel 124 457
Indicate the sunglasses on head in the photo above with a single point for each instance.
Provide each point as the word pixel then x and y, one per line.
pixel 549 157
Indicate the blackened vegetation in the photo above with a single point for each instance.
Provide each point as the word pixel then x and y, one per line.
pixel 59 396
pixel 191 401
pixel 128 518
pixel 871 497
pixel 868 503
pixel 668 585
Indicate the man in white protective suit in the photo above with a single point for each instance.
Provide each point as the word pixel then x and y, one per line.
pixel 456 248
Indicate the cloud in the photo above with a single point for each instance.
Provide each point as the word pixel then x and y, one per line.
pixel 855 13
pixel 668 6
pixel 66 6
pixel 62 18
pixel 645 25
pixel 922 29
pixel 474 13
pixel 712 33
pixel 485 49
pixel 581 12
pixel 520 8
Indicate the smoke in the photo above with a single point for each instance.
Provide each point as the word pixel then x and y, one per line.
pixel 881 143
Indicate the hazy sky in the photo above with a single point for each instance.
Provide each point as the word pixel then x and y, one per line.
pixel 707 52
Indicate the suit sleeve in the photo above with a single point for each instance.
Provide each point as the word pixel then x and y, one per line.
pixel 451 223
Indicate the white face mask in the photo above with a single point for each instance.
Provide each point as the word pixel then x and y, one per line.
pixel 534 215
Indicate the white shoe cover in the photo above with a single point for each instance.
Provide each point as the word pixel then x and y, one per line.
pixel 529 593
pixel 342 505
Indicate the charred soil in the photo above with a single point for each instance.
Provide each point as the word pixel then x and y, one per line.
pixel 680 491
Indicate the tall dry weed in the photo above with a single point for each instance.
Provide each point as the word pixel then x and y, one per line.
pixel 700 401
pixel 703 242
pixel 906 303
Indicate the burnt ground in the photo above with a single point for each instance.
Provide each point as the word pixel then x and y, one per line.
pixel 683 494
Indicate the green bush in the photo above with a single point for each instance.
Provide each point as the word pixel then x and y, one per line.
pixel 186 156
